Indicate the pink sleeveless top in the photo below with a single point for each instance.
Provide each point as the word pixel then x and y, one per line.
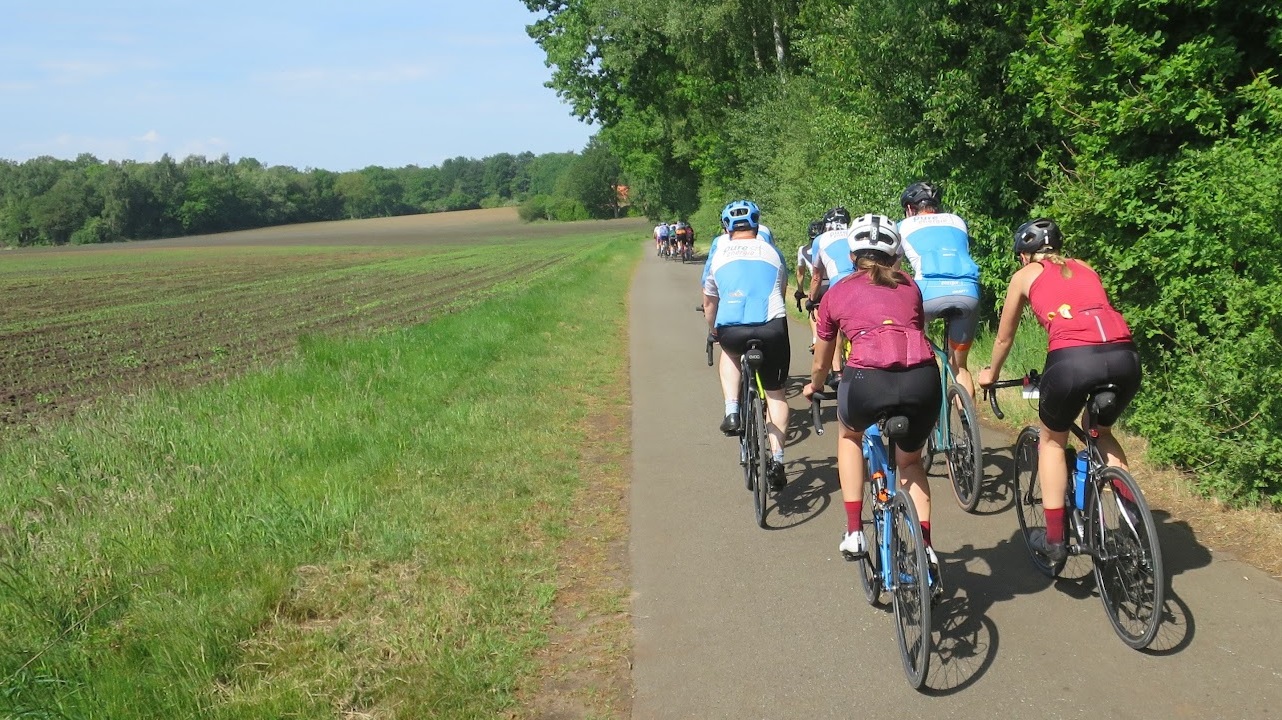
pixel 884 324
pixel 1075 310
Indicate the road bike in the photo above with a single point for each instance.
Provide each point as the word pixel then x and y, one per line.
pixel 754 439
pixel 896 561
pixel 956 434
pixel 1108 520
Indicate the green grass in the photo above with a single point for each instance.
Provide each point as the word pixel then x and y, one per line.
pixel 1028 353
pixel 369 529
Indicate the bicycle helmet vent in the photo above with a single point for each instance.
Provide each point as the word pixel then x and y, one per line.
pixel 741 215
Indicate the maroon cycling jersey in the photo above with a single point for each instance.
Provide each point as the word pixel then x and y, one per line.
pixel 884 324
pixel 1075 310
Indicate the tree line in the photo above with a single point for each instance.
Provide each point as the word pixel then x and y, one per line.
pixel 1151 131
pixel 51 201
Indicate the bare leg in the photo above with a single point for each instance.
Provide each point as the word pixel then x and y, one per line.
pixel 1052 470
pixel 777 411
pixel 850 464
pixel 729 372
pixel 1112 450
pixel 912 476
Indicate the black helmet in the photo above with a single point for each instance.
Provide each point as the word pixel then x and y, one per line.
pixel 920 192
pixel 1037 236
pixel 816 229
pixel 837 218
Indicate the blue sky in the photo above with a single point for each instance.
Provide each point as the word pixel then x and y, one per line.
pixel 334 85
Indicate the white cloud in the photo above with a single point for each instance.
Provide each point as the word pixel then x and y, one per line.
pixel 151 136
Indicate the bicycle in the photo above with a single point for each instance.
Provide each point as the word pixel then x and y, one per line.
pixel 1108 520
pixel 956 434
pixel 754 440
pixel 896 561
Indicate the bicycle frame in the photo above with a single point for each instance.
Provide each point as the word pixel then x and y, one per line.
pixel 881 473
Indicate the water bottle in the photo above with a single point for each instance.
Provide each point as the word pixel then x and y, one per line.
pixel 1079 478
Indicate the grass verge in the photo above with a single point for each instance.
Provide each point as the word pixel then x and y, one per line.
pixel 371 530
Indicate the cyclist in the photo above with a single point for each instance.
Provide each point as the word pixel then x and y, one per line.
pixel 830 253
pixel 743 299
pixel 937 244
pixel 660 237
pixel 685 237
pixel 891 367
pixel 1090 345
pixel 763 232
pixel 804 266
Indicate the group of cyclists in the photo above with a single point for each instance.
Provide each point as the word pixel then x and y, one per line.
pixel 674 240
pixel 861 294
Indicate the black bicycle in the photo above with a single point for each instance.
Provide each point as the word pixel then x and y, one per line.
pixel 754 439
pixel 1108 520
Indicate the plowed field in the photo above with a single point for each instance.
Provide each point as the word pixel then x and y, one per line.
pixel 77 324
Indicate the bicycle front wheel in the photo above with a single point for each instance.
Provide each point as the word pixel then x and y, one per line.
pixel 1028 500
pixel 966 449
pixel 761 440
pixel 1128 558
pixel 870 565
pixel 910 573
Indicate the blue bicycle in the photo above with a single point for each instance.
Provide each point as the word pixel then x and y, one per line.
pixel 896 560
pixel 956 434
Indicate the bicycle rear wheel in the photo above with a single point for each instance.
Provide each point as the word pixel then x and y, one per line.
pixel 1028 499
pixel 761 487
pixel 966 449
pixel 910 573
pixel 747 453
pixel 1128 558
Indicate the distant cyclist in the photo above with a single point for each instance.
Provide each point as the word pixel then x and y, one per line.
pixel 830 255
pixel 891 367
pixel 1090 345
pixel 743 299
pixel 660 237
pixel 685 238
pixel 805 266
pixel 937 244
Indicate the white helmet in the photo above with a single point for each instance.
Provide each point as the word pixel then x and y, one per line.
pixel 874 233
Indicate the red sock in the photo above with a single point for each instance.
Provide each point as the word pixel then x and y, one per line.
pixel 1054 525
pixel 925 533
pixel 854 516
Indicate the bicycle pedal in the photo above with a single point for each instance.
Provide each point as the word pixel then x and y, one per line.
pixel 853 556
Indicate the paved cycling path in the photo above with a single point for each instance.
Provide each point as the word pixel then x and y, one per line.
pixel 733 621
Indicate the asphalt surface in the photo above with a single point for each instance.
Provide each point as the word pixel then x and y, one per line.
pixel 733 621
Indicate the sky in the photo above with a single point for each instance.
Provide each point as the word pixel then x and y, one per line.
pixel 309 84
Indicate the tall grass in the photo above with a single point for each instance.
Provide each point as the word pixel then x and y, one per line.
pixel 369 529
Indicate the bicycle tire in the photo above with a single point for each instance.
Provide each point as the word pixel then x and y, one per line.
pixel 746 440
pixel 1028 499
pixel 761 491
pixel 1128 557
pixel 965 449
pixel 912 601
pixel 928 454
pixel 869 566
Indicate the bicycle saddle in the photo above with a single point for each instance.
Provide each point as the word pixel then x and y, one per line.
pixel 754 355
pixel 950 313
pixel 1102 399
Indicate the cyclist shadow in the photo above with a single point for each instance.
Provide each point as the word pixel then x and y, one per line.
pixel 995 491
pixel 966 640
pixel 812 481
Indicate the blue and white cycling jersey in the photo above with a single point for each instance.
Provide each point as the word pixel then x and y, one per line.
pixel 763 232
pixel 661 231
pixel 938 247
pixel 748 277
pixel 832 250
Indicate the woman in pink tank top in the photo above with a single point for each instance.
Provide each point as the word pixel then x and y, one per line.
pixel 1089 345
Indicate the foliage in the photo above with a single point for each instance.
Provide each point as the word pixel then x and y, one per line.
pixel 1150 130
pixel 47 201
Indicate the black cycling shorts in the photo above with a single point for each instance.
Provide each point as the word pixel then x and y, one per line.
pixel 1071 373
pixel 865 395
pixel 775 348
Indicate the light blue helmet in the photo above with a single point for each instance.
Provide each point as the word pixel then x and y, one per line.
pixel 741 215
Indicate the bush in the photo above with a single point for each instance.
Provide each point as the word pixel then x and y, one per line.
pixel 534 208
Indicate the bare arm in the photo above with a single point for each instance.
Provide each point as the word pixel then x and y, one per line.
pixel 1016 297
